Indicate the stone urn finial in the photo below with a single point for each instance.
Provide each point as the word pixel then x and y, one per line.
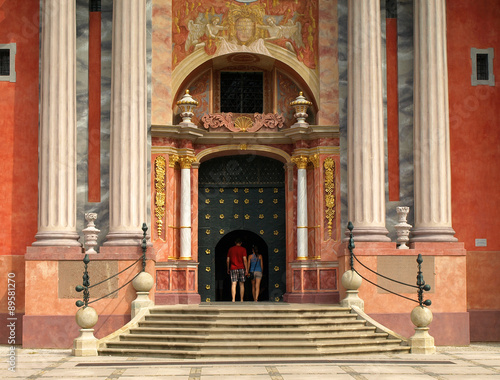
pixel 187 104
pixel 91 232
pixel 300 105
pixel 402 228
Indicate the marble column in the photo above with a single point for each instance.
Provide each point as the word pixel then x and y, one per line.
pixel 185 217
pixel 128 160
pixel 431 149
pixel 57 141
pixel 302 243
pixel 365 127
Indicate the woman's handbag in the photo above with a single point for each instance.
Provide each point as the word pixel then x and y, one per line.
pixel 251 275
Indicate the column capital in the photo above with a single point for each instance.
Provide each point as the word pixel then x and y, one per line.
pixel 186 161
pixel 301 161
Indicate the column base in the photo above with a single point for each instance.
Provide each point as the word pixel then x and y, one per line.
pixel 124 238
pixel 57 238
pixel 438 234
pixel 369 234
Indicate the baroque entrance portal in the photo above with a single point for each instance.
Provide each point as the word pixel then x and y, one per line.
pixel 241 195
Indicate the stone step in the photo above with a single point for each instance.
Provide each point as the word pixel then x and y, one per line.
pixel 295 338
pixel 256 353
pixel 236 323
pixel 236 347
pixel 283 330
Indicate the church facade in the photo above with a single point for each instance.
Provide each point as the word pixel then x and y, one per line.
pixel 273 121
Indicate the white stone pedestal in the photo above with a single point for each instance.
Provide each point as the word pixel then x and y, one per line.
pixel 85 344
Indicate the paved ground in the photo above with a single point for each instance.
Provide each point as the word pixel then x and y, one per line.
pixel 478 361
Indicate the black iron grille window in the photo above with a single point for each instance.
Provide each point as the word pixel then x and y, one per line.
pixel 95 6
pixel 242 92
pixel 5 62
pixel 482 66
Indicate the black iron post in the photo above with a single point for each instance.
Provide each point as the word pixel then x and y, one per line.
pixel 144 246
pixel 422 286
pixel 85 286
pixel 350 227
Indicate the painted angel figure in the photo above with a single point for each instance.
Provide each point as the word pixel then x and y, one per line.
pixel 291 31
pixel 196 31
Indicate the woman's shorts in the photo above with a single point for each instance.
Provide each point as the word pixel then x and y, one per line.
pixel 257 274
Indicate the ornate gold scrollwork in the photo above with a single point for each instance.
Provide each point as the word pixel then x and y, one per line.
pixel 329 166
pixel 314 160
pixel 243 123
pixel 186 162
pixel 173 159
pixel 160 171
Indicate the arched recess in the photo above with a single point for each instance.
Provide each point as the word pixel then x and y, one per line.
pixel 236 149
pixel 283 80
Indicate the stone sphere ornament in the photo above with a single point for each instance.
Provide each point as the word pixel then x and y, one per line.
pixel 421 316
pixel 86 317
pixel 143 282
pixel 351 280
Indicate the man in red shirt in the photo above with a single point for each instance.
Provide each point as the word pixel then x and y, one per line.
pixel 237 267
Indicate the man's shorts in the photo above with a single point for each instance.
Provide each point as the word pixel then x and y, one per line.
pixel 238 275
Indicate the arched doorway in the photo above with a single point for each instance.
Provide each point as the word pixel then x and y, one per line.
pixel 222 280
pixel 245 195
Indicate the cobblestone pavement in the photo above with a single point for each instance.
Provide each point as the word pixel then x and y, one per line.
pixel 477 361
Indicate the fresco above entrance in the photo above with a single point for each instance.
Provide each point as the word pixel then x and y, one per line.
pixel 222 27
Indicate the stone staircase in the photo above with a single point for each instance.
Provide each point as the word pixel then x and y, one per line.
pixel 252 331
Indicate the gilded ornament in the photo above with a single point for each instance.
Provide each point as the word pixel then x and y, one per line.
pixel 221 190
pixel 207 299
pixel 276 232
pixel 276 299
pixel 246 191
pixel 207 251
pixel 276 285
pixel 207 216
pixel 300 161
pixel 247 216
pixel 243 123
pixel 208 269
pixel 236 201
pixel 221 216
pixel 275 216
pixel 275 201
pixel 276 250
pixel 275 190
pixel 207 232
pixel 235 190
pixel 276 269
pixel 314 160
pixel 207 190
pixel 186 162
pixel 329 166
pixel 221 231
pixel 236 216
pixel 261 201
pixel 261 190
pixel 207 201
pixel 160 171
pixel 247 201
pixel 221 201
pixel 261 232
pixel 207 287
pixel 261 216
pixel 173 159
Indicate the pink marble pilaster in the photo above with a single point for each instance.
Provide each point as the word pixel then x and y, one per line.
pixel 328 63
pixel 161 98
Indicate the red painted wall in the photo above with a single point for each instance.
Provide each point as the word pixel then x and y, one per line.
pixel 475 157
pixel 19 126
